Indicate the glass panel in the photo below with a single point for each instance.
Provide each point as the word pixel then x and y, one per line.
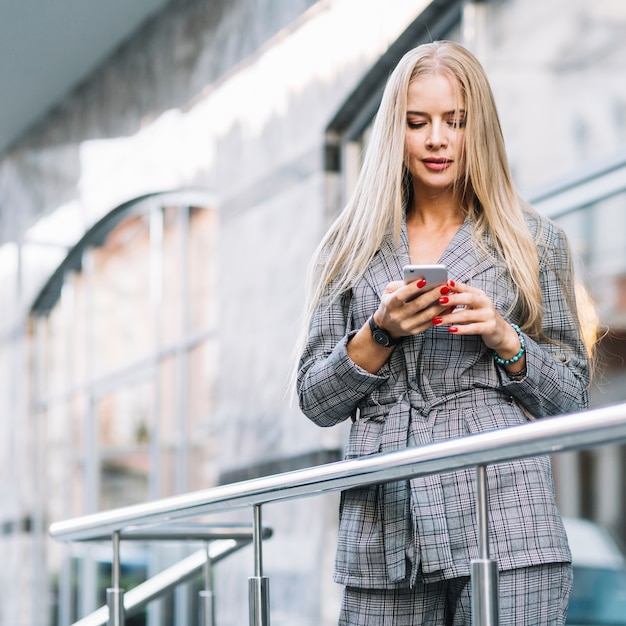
pixel 76 463
pixel 170 435
pixel 123 420
pixel 119 308
pixel 174 281
pixel 53 369
pixel 202 436
pixel 201 268
pixel 58 459
pixel 80 326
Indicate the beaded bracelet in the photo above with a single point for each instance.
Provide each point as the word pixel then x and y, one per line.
pixel 519 355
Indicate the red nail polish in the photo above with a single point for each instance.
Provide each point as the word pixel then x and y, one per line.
pixel 444 290
pixel 453 329
pixel 451 283
pixel 444 300
pixel 437 320
pixel 421 283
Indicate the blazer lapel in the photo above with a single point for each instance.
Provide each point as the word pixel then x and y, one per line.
pixel 387 264
pixel 462 257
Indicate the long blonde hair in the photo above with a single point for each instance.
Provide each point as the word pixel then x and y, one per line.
pixel 377 205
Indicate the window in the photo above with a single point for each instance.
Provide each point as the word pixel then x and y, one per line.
pixel 123 360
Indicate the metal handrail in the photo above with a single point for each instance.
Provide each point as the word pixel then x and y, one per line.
pixel 219 542
pixel 589 183
pixel 186 532
pixel 577 431
pixel 547 436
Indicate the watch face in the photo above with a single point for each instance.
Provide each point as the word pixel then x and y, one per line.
pixel 381 337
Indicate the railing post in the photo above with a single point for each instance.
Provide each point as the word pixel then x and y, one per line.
pixel 258 585
pixel 207 606
pixel 485 604
pixel 115 594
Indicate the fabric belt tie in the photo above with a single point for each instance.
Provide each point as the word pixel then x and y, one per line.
pixel 427 501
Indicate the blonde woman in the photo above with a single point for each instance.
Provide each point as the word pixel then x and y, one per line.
pixel 415 363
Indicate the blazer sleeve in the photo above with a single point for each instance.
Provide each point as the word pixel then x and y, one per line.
pixel 557 365
pixel 330 385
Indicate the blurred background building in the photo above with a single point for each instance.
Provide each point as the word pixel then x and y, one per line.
pixel 166 169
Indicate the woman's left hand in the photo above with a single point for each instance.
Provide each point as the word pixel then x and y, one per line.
pixel 473 313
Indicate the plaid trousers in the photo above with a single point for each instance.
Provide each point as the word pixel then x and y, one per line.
pixel 528 596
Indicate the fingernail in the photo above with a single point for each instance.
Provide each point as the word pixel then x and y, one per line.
pixel 444 290
pixel 421 283
pixel 453 329
pixel 451 283
pixel 444 300
pixel 437 320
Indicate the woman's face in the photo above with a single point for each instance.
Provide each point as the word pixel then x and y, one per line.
pixel 435 131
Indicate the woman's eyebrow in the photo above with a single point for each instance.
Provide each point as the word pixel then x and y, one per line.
pixel 452 112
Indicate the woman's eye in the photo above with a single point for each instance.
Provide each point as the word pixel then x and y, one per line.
pixel 416 124
pixel 456 123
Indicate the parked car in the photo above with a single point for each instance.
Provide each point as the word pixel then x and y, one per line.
pixel 599 592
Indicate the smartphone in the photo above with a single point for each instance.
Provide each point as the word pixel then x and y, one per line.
pixel 434 275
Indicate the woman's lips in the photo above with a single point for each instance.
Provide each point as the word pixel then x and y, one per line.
pixel 437 165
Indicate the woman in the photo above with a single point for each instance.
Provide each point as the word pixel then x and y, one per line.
pixel 500 341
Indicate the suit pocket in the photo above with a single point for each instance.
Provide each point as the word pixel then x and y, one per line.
pixel 491 416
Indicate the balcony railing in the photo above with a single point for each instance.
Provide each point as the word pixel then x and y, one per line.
pixel 546 436
pixel 219 542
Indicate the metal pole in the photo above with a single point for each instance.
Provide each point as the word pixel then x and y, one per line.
pixel 207 606
pixel 115 595
pixel 258 585
pixel 485 606
pixel 156 227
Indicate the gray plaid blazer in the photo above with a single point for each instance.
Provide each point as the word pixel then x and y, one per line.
pixel 437 386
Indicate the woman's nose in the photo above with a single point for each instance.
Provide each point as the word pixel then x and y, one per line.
pixel 436 137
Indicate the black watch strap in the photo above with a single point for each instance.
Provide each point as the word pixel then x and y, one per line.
pixel 380 336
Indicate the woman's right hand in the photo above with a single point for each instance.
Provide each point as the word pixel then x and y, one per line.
pixel 400 313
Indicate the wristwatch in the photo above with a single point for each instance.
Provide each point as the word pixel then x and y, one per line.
pixel 380 336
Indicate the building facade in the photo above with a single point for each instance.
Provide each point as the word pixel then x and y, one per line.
pixel 155 231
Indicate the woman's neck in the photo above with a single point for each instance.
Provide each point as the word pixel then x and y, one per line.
pixel 431 226
pixel 436 213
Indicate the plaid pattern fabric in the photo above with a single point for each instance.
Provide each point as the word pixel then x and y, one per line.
pixel 437 386
pixel 530 596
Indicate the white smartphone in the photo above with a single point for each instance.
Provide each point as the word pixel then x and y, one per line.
pixel 434 275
